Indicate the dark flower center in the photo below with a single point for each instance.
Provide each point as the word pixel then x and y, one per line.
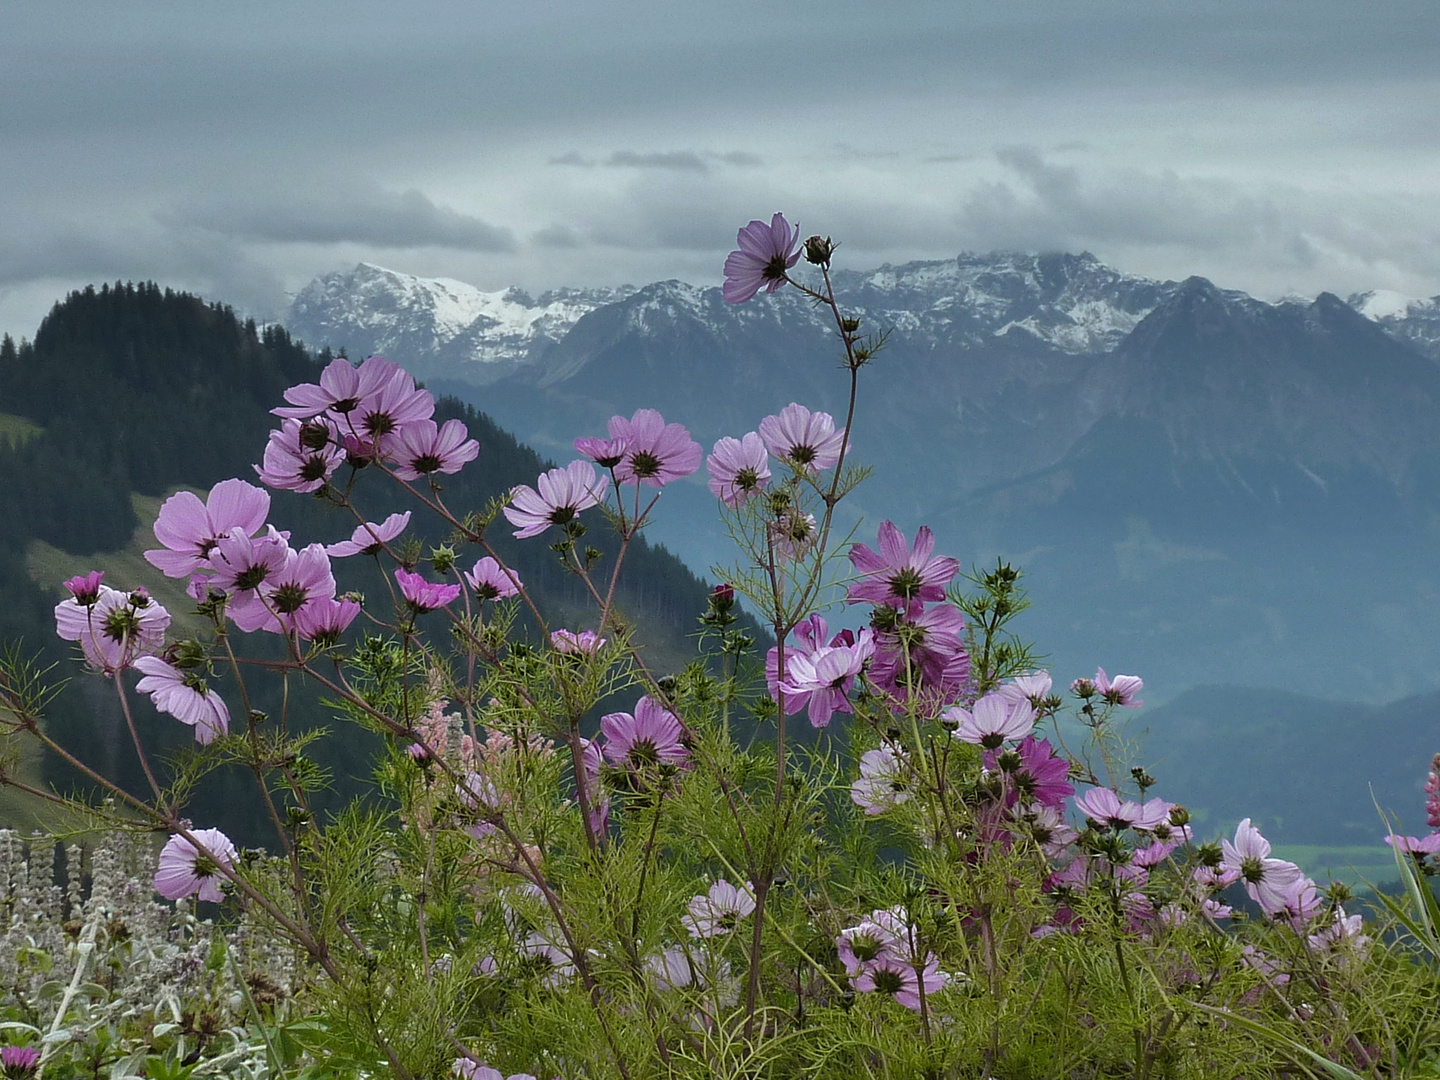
pixel 251 577
pixel 378 423
pixel 643 463
pixel 643 753
pixel 205 867
pixel 905 583
pixel 888 982
pixel 747 479
pixel 865 947
pixel 562 514
pixel 345 405
pixel 314 468
pixel 486 591
pixel 774 269
pixel 1252 870
pixel 426 463
pixel 802 455
pixel 119 624
pixel 288 597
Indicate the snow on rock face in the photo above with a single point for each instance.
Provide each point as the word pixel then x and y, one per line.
pixel 1415 321
pixel 435 325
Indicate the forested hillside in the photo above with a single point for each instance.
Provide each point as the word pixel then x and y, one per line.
pixel 131 389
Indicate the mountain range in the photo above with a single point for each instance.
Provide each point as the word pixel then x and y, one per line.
pixel 1201 485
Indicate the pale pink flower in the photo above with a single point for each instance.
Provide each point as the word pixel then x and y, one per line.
pixel 190 529
pixel 323 620
pixel 369 538
pixel 992 720
pixel 804 439
pixel 1105 808
pixel 562 494
pixel 300 457
pixel 1120 690
pixel 651 736
pixel 884 781
pixel 720 910
pixel 420 448
pixel 859 945
pixel 185 870
pixel 765 253
pixel 655 452
pixel 1415 845
pixel 585 643
pixel 739 469
pixel 116 629
pixel 898 574
pixel 185 696
pixel 491 581
pixel 1268 881
pixel 898 978
pixel 341 388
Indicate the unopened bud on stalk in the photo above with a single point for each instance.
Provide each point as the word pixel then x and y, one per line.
pixel 818 250
pixel 849 325
pixel 442 558
pixel 1179 816
pixel 722 597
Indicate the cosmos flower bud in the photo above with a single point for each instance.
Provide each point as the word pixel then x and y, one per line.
pixel 722 597
pixel 1179 816
pixel 818 250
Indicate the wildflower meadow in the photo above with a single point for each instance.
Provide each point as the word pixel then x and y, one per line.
pixel 883 843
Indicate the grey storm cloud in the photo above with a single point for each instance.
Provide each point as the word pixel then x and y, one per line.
pixel 682 160
pixel 383 220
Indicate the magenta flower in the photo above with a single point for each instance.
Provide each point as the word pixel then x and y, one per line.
pixel 884 781
pixel 491 581
pixel 324 619
pixel 562 494
pixel 651 736
pixel 898 978
pixel 821 679
pixel 299 457
pixel 114 630
pixel 1037 774
pixel 765 253
pixel 190 529
pixel 804 439
pixel 992 720
pixel 739 469
pixel 938 665
pixel 185 696
pixel 585 643
pixel 1268 881
pixel 19 1061
pixel 185 870
pixel 423 595
pixel 421 448
pixel 607 453
pixel 898 574
pixel 341 388
pixel 86 589
pixel 598 800
pixel 655 452
pixel 368 538
pixel 1119 691
pixel 1105 808
pixel 720 910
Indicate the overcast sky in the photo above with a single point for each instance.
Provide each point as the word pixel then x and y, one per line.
pixel 238 150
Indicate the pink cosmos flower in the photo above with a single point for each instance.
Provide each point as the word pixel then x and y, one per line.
pixel 423 595
pixel 859 945
pixel 1300 903
pixel 491 581
pixel 1036 773
pixel 720 910
pixel 804 439
pixel 670 970
pixel 1034 688
pixel 114 630
pixel 938 665
pixel 299 457
pixel 86 589
pixel 389 408
pixel 469 1070
pixel 19 1061
pixel 241 565
pixel 1414 845
pixel 884 781
pixel 562 494
pixel 1105 808
pixel 765 253
pixel 897 574
pixel 739 469
pixel 185 870
pixel 607 453
pixel 823 678
pixel 992 720
pixel 421 448
pixel 1432 795
pixel 1119 691
pixel 1343 932
pixel 898 978
pixel 598 800
pixel 341 388
pixel 368 537
pixel 1268 881
pixel 1047 825
pixel 323 620
pixel 190 529
pixel 585 643
pixel 792 535
pixel 185 696
pixel 304 578
pixel 655 452
pixel 649 737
